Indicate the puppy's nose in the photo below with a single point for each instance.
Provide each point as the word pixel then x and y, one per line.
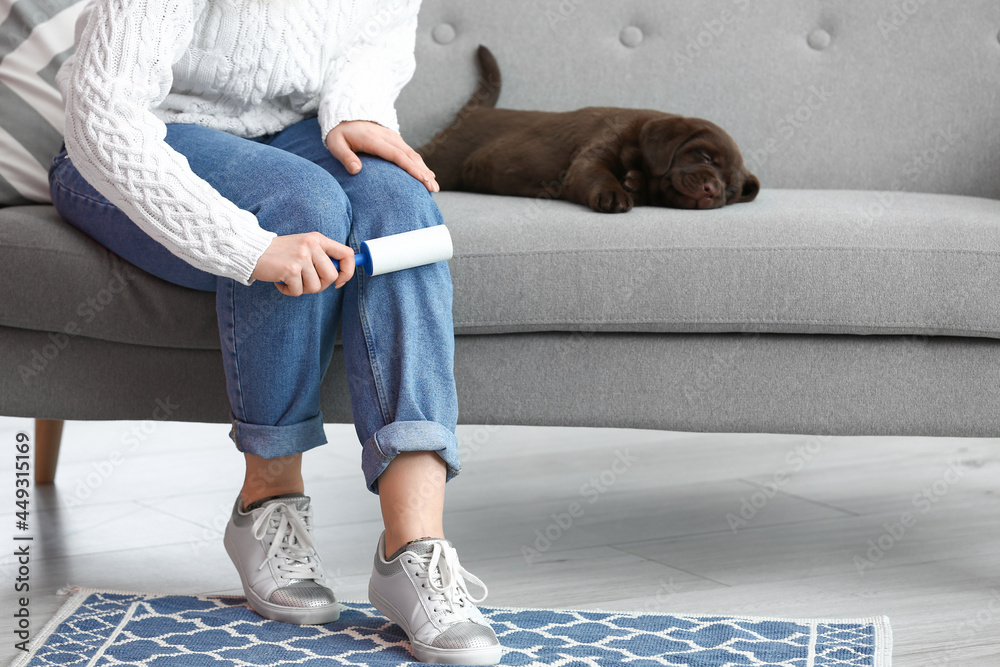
pixel 710 189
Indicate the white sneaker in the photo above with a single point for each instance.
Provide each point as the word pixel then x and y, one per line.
pixel 423 590
pixel 272 549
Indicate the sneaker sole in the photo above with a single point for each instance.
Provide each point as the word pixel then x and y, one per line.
pixel 292 615
pixel 432 654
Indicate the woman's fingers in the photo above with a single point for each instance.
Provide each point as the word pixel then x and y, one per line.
pixel 291 286
pixel 410 160
pixel 337 144
pixel 311 283
pixel 326 274
pixel 368 137
pixel 344 256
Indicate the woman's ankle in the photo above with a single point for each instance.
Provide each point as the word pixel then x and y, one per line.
pixel 411 495
pixel 271 477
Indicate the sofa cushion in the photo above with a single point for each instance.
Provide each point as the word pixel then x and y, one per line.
pixel 57 279
pixel 793 261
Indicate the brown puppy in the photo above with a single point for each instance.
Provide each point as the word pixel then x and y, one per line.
pixel 607 158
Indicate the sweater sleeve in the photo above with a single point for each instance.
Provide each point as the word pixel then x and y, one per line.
pixel 363 84
pixel 122 70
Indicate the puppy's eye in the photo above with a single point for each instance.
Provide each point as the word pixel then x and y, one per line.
pixel 705 156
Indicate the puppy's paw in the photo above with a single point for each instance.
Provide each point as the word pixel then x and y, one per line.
pixel 634 180
pixel 611 200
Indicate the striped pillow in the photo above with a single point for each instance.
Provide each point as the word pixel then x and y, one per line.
pixel 36 36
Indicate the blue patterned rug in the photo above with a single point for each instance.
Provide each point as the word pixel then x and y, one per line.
pixel 104 628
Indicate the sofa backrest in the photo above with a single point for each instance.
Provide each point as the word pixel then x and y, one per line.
pixel 881 94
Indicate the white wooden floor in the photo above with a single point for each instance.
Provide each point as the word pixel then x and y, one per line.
pixel 766 525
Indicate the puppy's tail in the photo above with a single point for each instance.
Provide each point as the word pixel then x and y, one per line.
pixel 488 91
pixel 486 96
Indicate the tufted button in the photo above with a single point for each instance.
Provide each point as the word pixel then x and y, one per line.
pixel 630 36
pixel 443 33
pixel 819 39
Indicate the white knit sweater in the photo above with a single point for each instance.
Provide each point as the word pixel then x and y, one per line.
pixel 249 67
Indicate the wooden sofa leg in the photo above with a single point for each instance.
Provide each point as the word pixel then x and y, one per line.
pixel 48 436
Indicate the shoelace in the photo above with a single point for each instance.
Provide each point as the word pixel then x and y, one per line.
pixel 292 541
pixel 447 578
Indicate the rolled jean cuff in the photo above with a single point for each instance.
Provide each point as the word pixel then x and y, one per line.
pixel 407 436
pixel 270 442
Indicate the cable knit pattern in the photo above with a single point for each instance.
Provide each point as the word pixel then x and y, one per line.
pixel 248 67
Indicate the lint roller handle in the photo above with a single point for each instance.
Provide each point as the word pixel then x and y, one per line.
pixel 360 259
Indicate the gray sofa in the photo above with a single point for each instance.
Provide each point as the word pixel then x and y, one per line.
pixel 856 295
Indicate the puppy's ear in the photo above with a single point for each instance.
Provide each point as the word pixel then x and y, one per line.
pixel 751 187
pixel 661 138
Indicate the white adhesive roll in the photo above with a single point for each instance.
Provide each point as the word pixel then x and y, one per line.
pixel 409 249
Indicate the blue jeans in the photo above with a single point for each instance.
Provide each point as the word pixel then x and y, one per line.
pixel 397 329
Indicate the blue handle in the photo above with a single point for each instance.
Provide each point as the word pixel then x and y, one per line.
pixel 361 259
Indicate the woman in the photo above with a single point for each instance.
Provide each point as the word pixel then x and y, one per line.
pixel 235 146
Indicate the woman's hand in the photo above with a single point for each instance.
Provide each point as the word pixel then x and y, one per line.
pixel 368 137
pixel 302 263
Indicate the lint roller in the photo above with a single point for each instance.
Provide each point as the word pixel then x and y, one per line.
pixel 403 251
